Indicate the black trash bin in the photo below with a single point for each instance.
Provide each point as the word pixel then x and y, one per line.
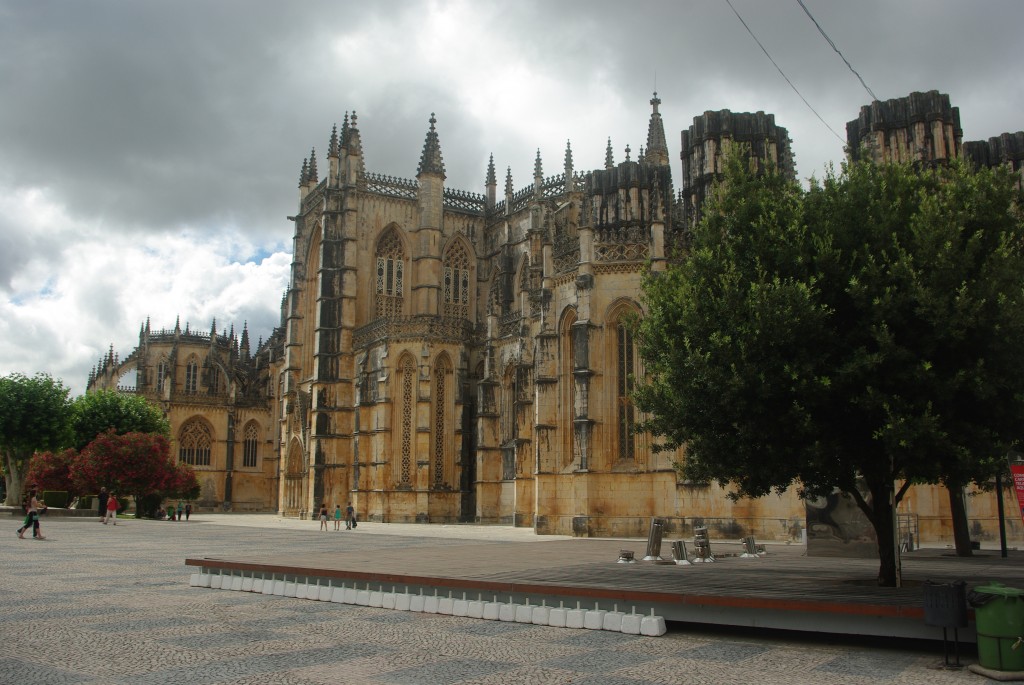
pixel 945 606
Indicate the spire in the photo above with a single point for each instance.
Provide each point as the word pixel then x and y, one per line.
pixel 657 148
pixel 491 184
pixel 332 147
pixel 304 174
pixel 177 324
pixel 627 152
pixel 609 160
pixel 352 139
pixel 213 329
pixel 569 184
pixel 244 346
pixel 538 167
pixel 344 132
pixel 491 178
pixel 430 160
pixel 508 181
pixel 312 167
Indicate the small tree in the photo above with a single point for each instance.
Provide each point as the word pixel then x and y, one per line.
pixel 34 415
pixel 137 464
pixel 52 471
pixel 97 412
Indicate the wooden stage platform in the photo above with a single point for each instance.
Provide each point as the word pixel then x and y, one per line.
pixel 782 590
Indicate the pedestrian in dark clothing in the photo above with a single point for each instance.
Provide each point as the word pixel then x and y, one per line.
pixel 188 510
pixel 102 505
pixel 350 517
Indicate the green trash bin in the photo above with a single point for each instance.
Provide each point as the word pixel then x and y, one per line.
pixel 999 620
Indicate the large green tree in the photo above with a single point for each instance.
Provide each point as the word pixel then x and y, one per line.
pixel 99 411
pixel 861 332
pixel 34 415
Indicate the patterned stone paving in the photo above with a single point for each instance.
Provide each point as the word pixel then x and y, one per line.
pixel 97 605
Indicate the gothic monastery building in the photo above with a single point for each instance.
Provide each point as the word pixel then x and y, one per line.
pixel 448 356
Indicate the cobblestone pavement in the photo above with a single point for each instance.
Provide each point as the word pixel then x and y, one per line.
pixel 104 605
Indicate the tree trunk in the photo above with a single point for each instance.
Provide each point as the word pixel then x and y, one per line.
pixel 14 480
pixel 958 512
pixel 880 512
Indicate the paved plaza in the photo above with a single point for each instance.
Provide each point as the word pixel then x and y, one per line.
pixel 104 605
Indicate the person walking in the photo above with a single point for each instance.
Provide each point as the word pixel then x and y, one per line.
pixel 102 505
pixel 32 517
pixel 188 511
pixel 181 509
pixel 111 509
pixel 350 517
pixel 337 517
pixel 323 516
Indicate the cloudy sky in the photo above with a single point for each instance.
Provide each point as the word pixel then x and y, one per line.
pixel 150 150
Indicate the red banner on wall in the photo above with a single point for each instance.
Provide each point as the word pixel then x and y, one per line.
pixel 1017 470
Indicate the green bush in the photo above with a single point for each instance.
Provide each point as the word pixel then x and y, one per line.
pixel 86 502
pixel 55 498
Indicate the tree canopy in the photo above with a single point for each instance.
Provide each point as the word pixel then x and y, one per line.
pixel 862 331
pixel 136 464
pixel 34 415
pixel 97 412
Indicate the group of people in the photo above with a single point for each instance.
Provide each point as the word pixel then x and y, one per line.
pixel 350 517
pixel 183 511
pixel 107 508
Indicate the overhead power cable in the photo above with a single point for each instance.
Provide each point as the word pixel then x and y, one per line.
pixel 829 41
pixel 841 140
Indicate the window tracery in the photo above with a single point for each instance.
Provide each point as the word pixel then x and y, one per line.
pixel 161 375
pixel 191 376
pixel 195 441
pixel 408 379
pixel 390 275
pixel 442 374
pixel 250 445
pixel 456 281
pixel 626 371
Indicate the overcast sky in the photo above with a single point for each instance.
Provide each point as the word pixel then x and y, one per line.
pixel 150 151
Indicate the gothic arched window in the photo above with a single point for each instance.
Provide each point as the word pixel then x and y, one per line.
pixel 161 375
pixel 456 281
pixel 194 442
pixel 407 385
pixel 250 444
pixel 624 379
pixel 191 376
pixel 567 380
pixel 444 407
pixel 627 370
pixel 390 275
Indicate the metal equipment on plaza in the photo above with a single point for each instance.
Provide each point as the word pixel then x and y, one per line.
pixel 702 546
pixel 654 540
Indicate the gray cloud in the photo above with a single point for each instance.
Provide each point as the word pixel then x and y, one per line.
pixel 133 124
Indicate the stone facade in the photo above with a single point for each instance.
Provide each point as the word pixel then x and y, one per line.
pixel 710 138
pixel 450 356
pixel 920 128
pixel 1006 149
pixel 218 399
